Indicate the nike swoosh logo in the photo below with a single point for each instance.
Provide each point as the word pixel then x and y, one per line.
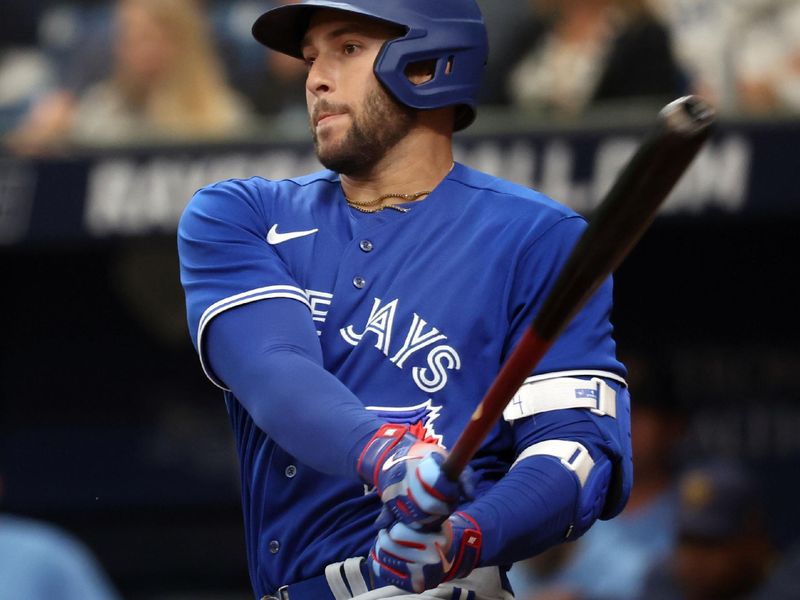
pixel 274 238
pixel 446 564
pixel 392 461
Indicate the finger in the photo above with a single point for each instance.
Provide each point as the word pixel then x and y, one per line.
pixel 385 519
pixel 466 478
pixel 431 490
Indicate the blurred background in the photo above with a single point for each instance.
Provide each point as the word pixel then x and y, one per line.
pixel 119 478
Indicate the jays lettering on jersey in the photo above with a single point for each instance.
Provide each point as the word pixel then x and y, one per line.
pixel 416 310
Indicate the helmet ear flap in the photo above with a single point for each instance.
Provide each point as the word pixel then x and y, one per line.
pixel 458 56
pixel 426 71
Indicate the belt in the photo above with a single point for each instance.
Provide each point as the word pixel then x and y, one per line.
pixel 350 577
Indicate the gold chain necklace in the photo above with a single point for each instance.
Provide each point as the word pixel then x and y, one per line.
pixel 366 207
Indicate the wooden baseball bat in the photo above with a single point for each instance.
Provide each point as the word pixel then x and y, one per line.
pixel 618 223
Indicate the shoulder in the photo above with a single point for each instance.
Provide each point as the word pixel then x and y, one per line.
pixel 511 196
pixel 256 197
pixel 259 186
pixel 493 201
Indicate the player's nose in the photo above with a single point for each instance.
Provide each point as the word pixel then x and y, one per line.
pixel 320 78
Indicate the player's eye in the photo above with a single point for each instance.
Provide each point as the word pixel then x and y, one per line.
pixel 350 49
pixel 309 61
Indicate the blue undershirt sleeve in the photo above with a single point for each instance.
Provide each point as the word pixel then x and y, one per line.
pixel 269 356
pixel 526 512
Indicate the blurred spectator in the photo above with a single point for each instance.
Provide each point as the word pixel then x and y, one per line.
pixel 166 84
pixel 76 38
pixel 723 551
pixel 611 560
pixel 768 61
pixel 24 71
pixel 40 562
pixel 277 89
pixel 742 55
pixel 587 52
pixel 701 33
pixel 510 25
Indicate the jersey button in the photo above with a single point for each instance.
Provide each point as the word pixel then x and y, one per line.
pixel 274 546
pixel 290 471
pixel 366 245
pixel 359 282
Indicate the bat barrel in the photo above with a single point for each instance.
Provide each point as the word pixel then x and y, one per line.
pixel 628 209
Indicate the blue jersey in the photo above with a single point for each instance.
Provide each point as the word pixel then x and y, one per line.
pixel 416 309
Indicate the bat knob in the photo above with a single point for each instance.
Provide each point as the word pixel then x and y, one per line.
pixel 688 115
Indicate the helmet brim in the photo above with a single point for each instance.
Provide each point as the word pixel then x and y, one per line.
pixel 283 28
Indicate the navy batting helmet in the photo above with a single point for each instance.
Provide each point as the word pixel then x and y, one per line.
pixel 450 32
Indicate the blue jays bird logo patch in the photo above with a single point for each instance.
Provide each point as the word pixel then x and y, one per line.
pixel 420 418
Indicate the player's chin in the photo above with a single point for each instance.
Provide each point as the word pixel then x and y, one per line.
pixel 339 157
pixel 330 143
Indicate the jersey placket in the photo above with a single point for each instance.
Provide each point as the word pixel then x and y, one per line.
pixel 359 276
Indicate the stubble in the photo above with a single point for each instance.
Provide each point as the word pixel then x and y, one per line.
pixel 377 127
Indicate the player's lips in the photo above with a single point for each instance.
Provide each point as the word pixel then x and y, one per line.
pixel 326 118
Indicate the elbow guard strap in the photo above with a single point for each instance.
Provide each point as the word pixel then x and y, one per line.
pixel 592 476
pixel 558 393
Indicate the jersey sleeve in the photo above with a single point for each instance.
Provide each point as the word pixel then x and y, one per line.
pixel 225 260
pixel 586 346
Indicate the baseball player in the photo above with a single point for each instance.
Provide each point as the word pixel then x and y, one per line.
pixel 355 317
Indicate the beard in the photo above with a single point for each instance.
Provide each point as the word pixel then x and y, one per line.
pixel 380 124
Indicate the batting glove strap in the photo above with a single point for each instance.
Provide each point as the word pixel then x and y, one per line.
pixel 386 439
pixel 417 561
pixel 467 552
pixel 407 473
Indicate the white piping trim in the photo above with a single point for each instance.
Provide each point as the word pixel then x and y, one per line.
pixel 577 373
pixel 352 572
pixel 289 289
pixel 336 582
pixel 265 293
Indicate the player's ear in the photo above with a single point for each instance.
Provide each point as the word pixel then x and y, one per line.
pixel 421 71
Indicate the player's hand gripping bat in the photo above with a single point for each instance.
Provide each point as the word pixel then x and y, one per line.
pixel 623 216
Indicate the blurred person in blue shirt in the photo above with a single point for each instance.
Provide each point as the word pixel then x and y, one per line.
pixel 723 549
pixel 39 561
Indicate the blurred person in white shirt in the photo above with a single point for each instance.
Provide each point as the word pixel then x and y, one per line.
pixel 742 55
